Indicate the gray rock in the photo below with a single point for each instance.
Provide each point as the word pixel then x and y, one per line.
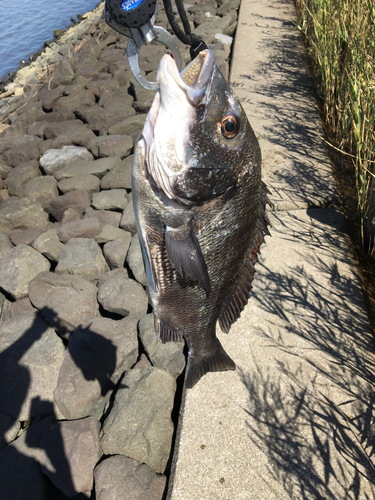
pixel 111 145
pixel 98 354
pixel 104 216
pixel 113 199
pixel 70 451
pixel 70 215
pixel 59 142
pixel 84 228
pixel 119 176
pixel 33 353
pixel 100 119
pixel 55 159
pixel 118 474
pixel 4 169
pixel 5 243
pixel 17 178
pixel 98 167
pixel 18 307
pixel 20 475
pixel 22 213
pixel 9 428
pixel 126 127
pixel 169 356
pixel 49 97
pixel 24 236
pixel 115 251
pixel 79 133
pixel 110 233
pixel 128 219
pixel 18 267
pixel 88 182
pixel 65 301
pixel 119 99
pixel 49 245
pixel 82 257
pixel 139 425
pixel 122 295
pixel 79 200
pixel 23 153
pixel 74 100
pixel 42 190
pixel 134 260
pixel 139 93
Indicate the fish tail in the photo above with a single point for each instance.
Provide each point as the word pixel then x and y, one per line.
pixel 219 361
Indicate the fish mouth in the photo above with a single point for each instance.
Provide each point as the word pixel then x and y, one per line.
pixel 194 79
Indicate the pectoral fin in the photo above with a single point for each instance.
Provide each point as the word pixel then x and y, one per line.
pixel 183 250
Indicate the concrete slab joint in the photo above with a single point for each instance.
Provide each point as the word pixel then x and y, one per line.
pixel 293 421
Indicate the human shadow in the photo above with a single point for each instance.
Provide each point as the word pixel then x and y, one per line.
pixel 311 407
pixel 19 459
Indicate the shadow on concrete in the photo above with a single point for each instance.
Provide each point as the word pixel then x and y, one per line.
pixel 281 97
pixel 311 410
pixel 18 469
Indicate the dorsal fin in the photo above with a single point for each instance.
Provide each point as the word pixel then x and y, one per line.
pixel 244 285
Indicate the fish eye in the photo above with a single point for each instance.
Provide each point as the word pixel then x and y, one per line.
pixel 230 126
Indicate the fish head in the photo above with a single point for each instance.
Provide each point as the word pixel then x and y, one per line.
pixel 198 138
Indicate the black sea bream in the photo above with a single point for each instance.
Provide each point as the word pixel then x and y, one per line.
pixel 199 204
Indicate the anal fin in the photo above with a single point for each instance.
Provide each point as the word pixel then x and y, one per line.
pixel 218 361
pixel 183 250
pixel 166 333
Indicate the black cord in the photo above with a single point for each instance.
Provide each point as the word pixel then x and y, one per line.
pixel 188 38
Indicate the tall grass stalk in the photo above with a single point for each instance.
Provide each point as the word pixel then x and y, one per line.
pixel 340 35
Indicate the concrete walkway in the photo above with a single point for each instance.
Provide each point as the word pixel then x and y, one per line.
pixel 294 421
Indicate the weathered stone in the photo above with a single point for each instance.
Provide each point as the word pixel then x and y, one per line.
pixel 20 475
pixel 97 86
pixel 99 119
pixel 139 425
pixel 4 169
pixel 79 133
pixel 37 128
pixel 119 176
pixel 118 474
pixel 23 153
pixel 139 93
pixel 70 215
pixel 49 97
pixel 69 453
pixel 49 245
pixel 98 354
pixel 104 216
pixel 82 257
pixel 169 356
pixel 90 71
pixel 64 73
pixel 126 127
pixel 9 428
pixel 60 141
pixel 98 167
pixel 111 145
pixel 115 251
pixel 17 141
pixel 20 175
pixel 122 295
pixel 84 228
pixel 79 200
pixel 24 236
pixel 18 266
pixel 42 189
pixel 119 99
pixel 110 233
pixel 19 307
pixel 5 243
pixel 113 199
pixel 33 353
pixel 135 261
pixel 128 219
pixel 55 159
pixel 88 182
pixel 74 100
pixel 23 213
pixel 64 301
